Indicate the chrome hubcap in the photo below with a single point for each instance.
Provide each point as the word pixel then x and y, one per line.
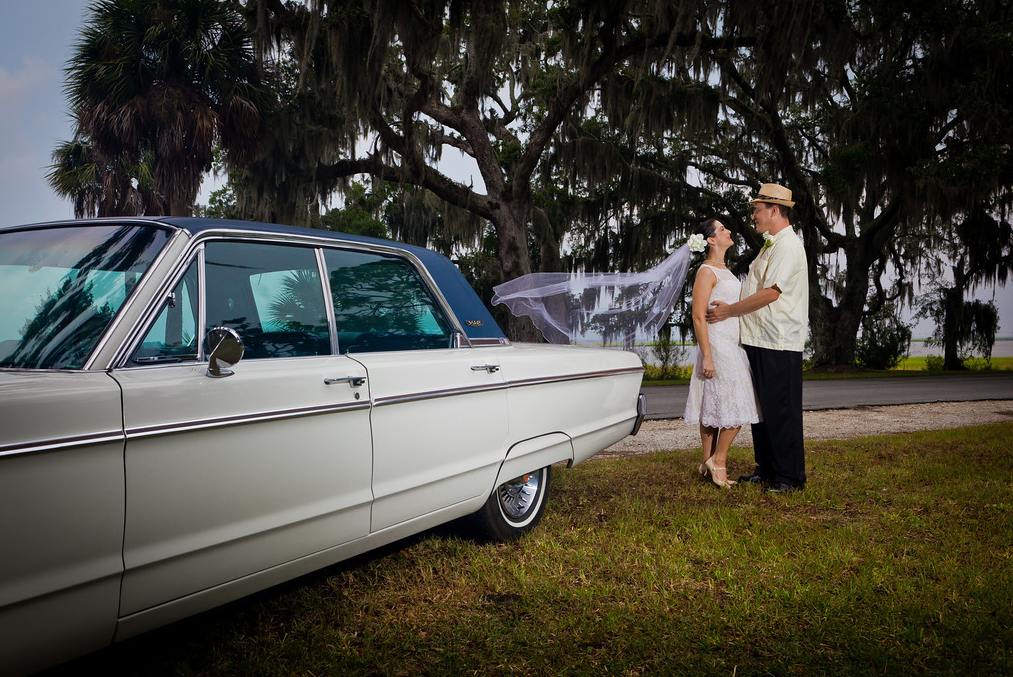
pixel 518 495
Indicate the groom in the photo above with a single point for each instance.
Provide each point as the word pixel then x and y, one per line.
pixel 773 312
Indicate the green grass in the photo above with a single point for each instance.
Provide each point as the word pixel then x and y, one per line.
pixel 976 364
pixel 897 559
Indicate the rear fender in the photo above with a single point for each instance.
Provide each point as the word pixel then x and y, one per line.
pixel 535 453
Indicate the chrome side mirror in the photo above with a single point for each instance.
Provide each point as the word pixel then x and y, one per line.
pixel 225 349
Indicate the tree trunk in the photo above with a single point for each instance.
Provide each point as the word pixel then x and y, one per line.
pixel 953 305
pixel 515 260
pixel 833 332
pixel 834 329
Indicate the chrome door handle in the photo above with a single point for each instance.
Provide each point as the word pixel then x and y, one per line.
pixel 491 368
pixel 354 381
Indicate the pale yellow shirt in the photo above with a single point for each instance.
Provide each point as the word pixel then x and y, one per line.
pixel 783 324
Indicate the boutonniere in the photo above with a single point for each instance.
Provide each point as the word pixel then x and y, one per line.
pixel 768 241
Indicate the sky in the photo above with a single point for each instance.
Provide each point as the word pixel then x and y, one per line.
pixel 35 43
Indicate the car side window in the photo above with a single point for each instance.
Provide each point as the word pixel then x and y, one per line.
pixel 270 294
pixel 173 337
pixel 381 303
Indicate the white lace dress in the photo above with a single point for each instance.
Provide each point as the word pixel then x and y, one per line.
pixel 728 400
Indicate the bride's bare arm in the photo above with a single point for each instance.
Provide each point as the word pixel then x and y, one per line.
pixel 702 288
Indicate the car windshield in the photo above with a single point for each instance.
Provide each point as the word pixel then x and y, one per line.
pixel 61 286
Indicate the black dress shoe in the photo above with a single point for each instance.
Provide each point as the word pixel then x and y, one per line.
pixel 781 488
pixel 750 479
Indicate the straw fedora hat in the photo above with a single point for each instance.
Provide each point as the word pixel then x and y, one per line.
pixel 774 194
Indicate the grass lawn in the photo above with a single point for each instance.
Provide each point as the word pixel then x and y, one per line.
pixel 976 364
pixel 897 559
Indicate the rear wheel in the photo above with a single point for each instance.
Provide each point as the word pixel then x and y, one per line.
pixel 514 507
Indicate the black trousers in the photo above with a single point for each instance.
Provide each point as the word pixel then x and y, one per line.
pixel 777 441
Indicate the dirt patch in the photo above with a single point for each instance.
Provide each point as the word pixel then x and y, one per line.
pixel 831 424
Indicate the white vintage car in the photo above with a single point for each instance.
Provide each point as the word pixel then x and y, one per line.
pixel 147 474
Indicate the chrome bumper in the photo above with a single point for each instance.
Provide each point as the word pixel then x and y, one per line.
pixel 641 413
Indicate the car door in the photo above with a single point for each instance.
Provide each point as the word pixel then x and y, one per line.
pixel 229 476
pixel 439 412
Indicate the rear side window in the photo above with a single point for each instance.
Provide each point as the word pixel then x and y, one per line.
pixel 381 304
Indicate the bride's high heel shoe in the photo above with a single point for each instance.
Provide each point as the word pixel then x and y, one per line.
pixel 709 465
pixel 721 483
pixel 703 470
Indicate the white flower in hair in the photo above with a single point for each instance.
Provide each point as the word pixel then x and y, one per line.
pixel 697 243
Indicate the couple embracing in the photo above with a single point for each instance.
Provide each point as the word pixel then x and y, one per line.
pixel 750 340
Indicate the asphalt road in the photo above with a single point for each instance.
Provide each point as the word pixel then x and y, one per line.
pixel 670 401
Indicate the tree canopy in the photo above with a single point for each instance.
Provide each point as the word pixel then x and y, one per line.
pixel 157 84
pixel 603 130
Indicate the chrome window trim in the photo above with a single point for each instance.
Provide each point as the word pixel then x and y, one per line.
pixel 139 330
pixel 202 310
pixel 325 284
pixel 61 370
pixel 319 243
pixel 56 443
pixel 335 243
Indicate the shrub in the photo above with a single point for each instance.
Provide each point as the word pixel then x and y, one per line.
pixel 666 354
pixel 885 340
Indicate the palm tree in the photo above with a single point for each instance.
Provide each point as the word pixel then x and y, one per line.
pixel 165 80
pixel 98 188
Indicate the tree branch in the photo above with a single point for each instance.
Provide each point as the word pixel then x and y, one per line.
pixel 449 191
pixel 584 81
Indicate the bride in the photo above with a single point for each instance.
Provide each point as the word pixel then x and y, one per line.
pixel 721 394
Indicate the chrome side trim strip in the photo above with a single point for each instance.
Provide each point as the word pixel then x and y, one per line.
pixel 61 443
pixel 185 426
pixel 243 419
pixel 434 394
pixel 451 392
pixel 225 421
pixel 574 377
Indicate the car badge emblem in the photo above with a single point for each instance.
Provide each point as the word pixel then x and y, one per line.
pixel 473 323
